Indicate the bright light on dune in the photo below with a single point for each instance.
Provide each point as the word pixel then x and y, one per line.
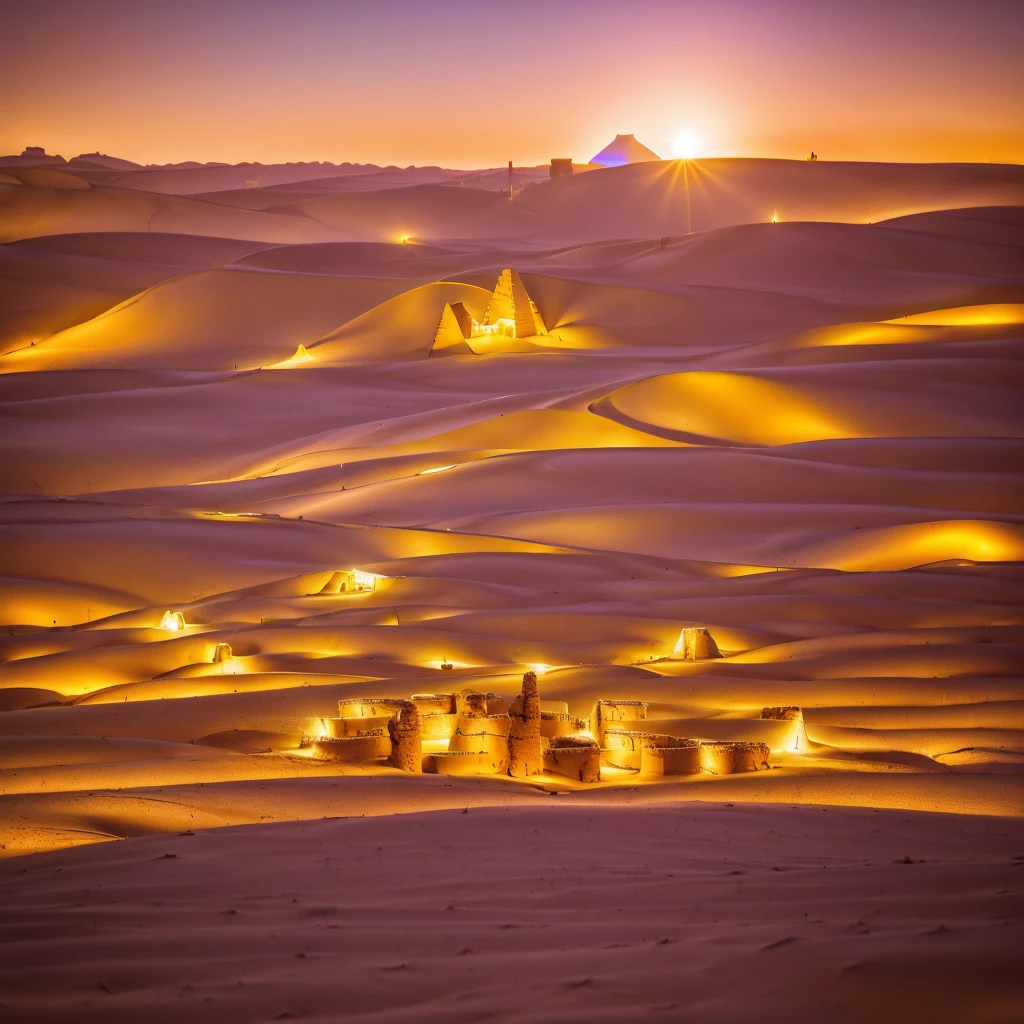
pixel 437 469
pixel 317 729
pixel 404 239
pixel 540 668
pixel 173 621
pixel 686 146
pixel 966 316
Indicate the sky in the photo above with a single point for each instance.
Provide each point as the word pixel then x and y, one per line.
pixel 475 83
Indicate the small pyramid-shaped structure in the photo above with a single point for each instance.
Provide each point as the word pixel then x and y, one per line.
pixel 511 301
pixel 454 327
pixel 624 149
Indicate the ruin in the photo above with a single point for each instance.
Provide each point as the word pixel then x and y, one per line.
pixel 406 739
pixel 560 167
pixel 578 757
pixel 520 736
pixel 728 757
pixel 350 581
pixel 221 653
pixel 695 644
pixel 510 312
pixel 789 713
pixel 172 621
pixel 524 746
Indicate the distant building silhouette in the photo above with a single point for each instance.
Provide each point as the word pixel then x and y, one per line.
pixel 560 167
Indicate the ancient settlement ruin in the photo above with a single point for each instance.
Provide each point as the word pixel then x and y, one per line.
pixel 471 733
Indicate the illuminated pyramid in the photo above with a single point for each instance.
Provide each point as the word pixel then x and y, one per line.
pixel 510 312
pixel 624 149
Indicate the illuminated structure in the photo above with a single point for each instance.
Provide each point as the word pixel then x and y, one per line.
pixel 472 733
pixel 350 581
pixel 173 621
pixel 695 644
pixel 624 149
pixel 510 312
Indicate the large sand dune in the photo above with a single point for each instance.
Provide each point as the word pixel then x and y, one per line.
pixel 804 436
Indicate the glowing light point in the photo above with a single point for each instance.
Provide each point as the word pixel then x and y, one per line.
pixel 686 146
pixel 436 469
pixel 350 581
pixel 362 580
pixel 174 622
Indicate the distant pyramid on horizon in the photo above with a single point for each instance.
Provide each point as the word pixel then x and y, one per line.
pixel 624 149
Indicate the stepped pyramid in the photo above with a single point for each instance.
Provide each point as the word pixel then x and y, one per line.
pixel 510 301
pixel 510 311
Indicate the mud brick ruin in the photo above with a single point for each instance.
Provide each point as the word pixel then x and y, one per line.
pixel 521 736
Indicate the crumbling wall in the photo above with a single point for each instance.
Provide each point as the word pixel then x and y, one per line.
pixel 484 734
pixel 470 703
pixel 610 711
pixel 727 758
pixel 789 713
pixel 438 716
pixel 681 757
pixel 560 723
pixel 370 746
pixel 462 762
pixel 622 748
pixel 369 707
pixel 577 757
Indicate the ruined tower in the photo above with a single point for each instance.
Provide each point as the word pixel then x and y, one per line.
pixel 406 739
pixel 524 748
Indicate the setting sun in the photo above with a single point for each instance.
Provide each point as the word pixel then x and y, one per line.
pixel 686 146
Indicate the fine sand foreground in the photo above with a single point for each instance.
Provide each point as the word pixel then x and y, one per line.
pixel 271 449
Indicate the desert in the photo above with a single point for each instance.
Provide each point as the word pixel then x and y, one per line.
pixel 587 590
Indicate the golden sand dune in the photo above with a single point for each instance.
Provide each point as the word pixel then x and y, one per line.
pixel 811 405
pixel 208 320
pixel 747 505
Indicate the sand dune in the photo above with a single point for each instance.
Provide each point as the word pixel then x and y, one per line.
pixel 220 401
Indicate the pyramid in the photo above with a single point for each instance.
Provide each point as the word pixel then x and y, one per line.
pixel 511 301
pixel 624 149
pixel 455 326
pixel 510 313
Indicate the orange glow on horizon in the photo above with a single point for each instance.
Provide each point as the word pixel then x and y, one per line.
pixel 157 84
